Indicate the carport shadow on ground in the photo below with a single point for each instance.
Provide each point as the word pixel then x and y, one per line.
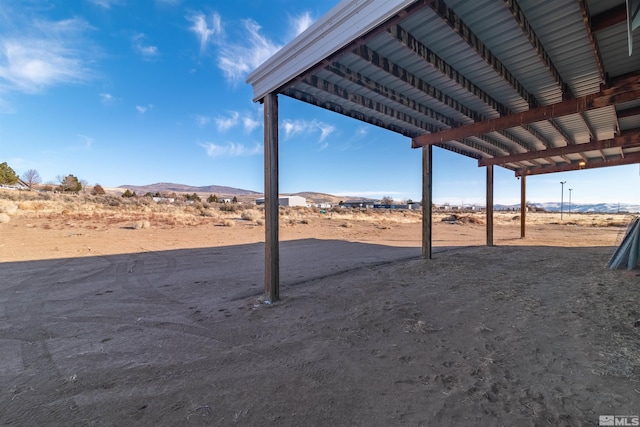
pixel 103 338
pixel 227 273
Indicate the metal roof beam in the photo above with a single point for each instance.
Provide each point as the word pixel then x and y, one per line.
pixel 386 65
pixel 407 77
pixel 528 31
pixel 458 150
pixel 340 109
pixel 438 63
pixel 365 82
pixel 627 89
pixel 465 33
pixel 396 97
pixel 368 103
pixel 609 18
pixel 630 158
pixel 588 25
pixel 476 146
pixel 629 139
pixel 414 45
pixel 629 112
pixel 456 24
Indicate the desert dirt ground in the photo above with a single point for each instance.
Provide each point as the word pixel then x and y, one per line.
pixel 106 323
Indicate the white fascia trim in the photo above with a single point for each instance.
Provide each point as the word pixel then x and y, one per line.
pixel 344 23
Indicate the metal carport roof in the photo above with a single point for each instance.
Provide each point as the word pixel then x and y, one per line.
pixel 535 86
pixel 422 67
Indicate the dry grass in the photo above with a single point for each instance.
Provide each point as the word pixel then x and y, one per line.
pixel 141 212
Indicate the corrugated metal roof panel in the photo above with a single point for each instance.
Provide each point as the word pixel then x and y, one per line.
pixel 490 21
pixel 560 28
pixel 431 30
pixel 344 23
pixel 613 43
pixel 632 122
pixel 447 80
pixel 603 120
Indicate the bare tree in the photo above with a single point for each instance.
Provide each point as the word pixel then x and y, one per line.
pixel 31 178
pixel 386 200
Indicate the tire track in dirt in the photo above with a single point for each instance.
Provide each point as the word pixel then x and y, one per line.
pixel 133 275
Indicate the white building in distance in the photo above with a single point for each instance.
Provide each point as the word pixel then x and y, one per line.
pixel 286 201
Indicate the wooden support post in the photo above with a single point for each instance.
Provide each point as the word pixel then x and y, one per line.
pixel 490 205
pixel 271 202
pixel 523 205
pixel 427 201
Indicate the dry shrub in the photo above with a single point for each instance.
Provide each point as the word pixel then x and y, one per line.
pixel 31 205
pixel 250 215
pixel 346 225
pixel 471 220
pixel 8 208
pixel 228 223
pixel 209 213
pixel 260 221
pixel 138 225
pixel 230 207
pixel 304 221
pixel 4 218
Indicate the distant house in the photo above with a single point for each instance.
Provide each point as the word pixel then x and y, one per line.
pixel 286 201
pixel 19 185
pixel 358 204
pixel 163 199
pixel 323 205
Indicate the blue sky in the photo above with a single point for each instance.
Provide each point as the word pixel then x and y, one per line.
pixel 136 92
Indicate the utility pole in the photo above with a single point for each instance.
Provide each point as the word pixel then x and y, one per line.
pixel 562 183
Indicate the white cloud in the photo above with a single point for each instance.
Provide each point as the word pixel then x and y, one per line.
pixel 143 109
pixel 49 53
pixel 250 124
pixel 293 127
pixel 225 123
pixel 304 127
pixel 105 3
pixel 201 28
pixel 249 47
pixel 107 98
pixel 237 60
pixel 202 120
pixel 147 51
pixel 233 118
pixel 230 149
pixel 88 141
pixel 325 130
pixel 301 23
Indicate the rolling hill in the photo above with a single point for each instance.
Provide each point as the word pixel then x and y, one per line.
pixel 167 187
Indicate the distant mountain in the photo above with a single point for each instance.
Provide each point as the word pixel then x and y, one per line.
pixel 167 187
pixel 590 207
pixel 324 198
pixel 579 207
